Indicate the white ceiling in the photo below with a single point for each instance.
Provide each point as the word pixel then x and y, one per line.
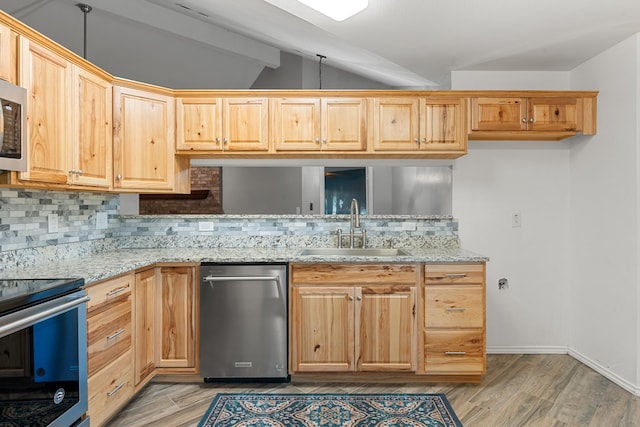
pixel 401 43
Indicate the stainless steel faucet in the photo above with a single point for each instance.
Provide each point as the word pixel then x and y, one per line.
pixel 354 222
pixel 354 219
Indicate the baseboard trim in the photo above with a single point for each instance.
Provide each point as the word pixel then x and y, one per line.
pixel 527 350
pixel 605 372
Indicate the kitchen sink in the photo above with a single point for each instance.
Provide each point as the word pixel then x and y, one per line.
pixel 353 252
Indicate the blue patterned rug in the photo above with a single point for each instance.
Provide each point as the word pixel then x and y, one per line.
pixel 327 410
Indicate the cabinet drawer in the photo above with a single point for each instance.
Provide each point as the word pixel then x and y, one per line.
pixel 353 273
pixel 454 352
pixel 110 389
pixel 454 274
pixel 108 335
pixel 454 306
pixel 107 292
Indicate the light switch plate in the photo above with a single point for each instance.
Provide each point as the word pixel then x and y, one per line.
pixel 102 220
pixel 52 222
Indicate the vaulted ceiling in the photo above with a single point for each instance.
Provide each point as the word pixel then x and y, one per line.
pixel 401 43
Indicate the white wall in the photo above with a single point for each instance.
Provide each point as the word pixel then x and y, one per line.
pixel 604 256
pixel 495 180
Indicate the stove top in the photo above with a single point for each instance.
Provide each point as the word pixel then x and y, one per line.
pixel 19 293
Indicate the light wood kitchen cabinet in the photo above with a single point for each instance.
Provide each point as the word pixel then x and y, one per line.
pixel 542 117
pixel 144 337
pixel 8 55
pixel 454 319
pixel 347 318
pixel 144 157
pixel 47 78
pixel 410 124
pixel 319 124
pixel 68 122
pixel 222 124
pixel 109 347
pixel 176 328
pixel 92 159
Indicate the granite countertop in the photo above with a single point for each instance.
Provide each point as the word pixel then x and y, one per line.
pixel 100 266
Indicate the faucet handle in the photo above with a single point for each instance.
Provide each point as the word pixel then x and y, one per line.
pixel 364 238
pixel 339 237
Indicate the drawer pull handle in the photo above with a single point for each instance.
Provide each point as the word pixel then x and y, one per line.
pixel 455 353
pixel 455 309
pixel 115 292
pixel 115 390
pixel 116 334
pixel 455 275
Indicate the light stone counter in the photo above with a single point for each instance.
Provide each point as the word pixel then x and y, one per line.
pixel 103 265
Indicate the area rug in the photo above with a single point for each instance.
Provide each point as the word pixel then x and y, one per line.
pixel 328 410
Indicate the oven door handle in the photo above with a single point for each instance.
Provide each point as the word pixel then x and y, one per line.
pixel 29 316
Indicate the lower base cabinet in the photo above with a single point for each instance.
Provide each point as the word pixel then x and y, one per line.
pixel 353 318
pixel 109 347
pixel 139 325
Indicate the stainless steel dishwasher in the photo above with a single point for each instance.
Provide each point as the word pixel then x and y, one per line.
pixel 243 322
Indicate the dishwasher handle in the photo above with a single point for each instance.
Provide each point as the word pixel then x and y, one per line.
pixel 275 279
pixel 241 279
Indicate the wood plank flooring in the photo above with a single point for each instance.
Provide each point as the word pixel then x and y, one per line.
pixel 518 390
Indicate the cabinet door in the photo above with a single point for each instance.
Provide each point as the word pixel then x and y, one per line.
pixel 323 329
pixel 498 114
pixel 396 124
pixel 246 126
pixel 442 125
pixel 144 331
pixel 296 124
pixel 386 328
pixel 176 327
pixel 343 124
pixel 199 124
pixel 143 140
pixel 91 164
pixel 8 55
pixel 47 78
pixel 553 114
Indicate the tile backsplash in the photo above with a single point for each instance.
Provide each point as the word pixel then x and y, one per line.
pixel 25 238
pixel 24 217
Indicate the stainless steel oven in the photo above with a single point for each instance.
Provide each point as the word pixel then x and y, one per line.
pixel 43 352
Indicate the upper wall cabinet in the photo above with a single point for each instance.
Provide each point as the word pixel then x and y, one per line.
pixel 222 124
pixel 543 117
pixel 91 164
pixel 319 124
pixel 8 55
pixel 411 124
pixel 47 78
pixel 144 157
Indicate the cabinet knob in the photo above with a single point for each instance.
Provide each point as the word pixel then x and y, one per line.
pixel 524 120
pixel 80 172
pixel 416 140
pixel 350 297
pixel 359 298
pixel 317 140
pixel 217 140
pixel 226 141
pixel 119 177
pixel 72 172
pixel 324 140
pixel 424 139
pixel 532 120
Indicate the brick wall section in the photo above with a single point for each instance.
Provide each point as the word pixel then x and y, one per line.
pixel 202 178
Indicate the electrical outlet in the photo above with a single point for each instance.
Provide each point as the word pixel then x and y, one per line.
pixel 52 222
pixel 205 226
pixel 102 220
pixel 516 219
pixel 503 284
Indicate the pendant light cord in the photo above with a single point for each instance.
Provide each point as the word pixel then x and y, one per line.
pixel 320 68
pixel 85 8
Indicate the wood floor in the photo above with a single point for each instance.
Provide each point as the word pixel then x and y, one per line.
pixel 518 390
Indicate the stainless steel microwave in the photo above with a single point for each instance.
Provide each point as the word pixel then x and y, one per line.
pixel 13 127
